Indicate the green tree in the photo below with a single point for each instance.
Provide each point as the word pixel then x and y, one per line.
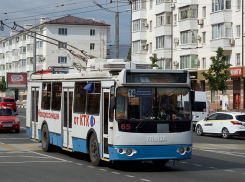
pixel 129 55
pixel 154 59
pixel 218 72
pixel 3 85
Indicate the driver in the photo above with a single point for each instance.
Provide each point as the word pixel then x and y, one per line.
pixel 168 108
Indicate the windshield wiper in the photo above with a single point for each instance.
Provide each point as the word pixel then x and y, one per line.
pixel 141 124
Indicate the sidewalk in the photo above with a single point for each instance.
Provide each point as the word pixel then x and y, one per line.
pixel 21 104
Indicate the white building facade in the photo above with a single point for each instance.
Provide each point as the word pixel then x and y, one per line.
pixel 196 29
pixel 16 51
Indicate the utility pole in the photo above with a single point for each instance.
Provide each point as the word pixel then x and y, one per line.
pixel 117 33
pixel 34 52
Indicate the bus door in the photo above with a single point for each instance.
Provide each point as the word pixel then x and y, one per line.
pixel 105 123
pixel 34 112
pixel 67 116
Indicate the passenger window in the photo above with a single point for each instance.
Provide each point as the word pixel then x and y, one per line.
pixel 56 96
pixel 46 96
pixel 93 102
pixel 80 97
pixel 212 117
pixel 228 116
pixel 221 117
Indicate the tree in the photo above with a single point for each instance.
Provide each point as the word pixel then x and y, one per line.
pixel 218 72
pixel 129 55
pixel 3 85
pixel 154 59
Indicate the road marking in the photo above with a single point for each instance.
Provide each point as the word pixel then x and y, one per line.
pixel 115 173
pixel 183 162
pixel 31 146
pixel 21 116
pixel 8 147
pixel 130 176
pixel 1 143
pixel 103 169
pixel 229 170
pixel 212 168
pixel 197 165
pixel 145 180
pixel 28 162
pixel 223 152
pixel 90 167
pixel 14 138
pixel 219 146
pixel 79 164
pixel 49 156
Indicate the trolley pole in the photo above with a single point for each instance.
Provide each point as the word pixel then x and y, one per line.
pixel 117 35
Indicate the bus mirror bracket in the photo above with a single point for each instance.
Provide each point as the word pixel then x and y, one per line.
pixel 192 94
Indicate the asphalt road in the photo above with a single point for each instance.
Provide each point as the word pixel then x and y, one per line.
pixel 213 159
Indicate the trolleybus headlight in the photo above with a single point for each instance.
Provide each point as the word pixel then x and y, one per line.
pixel 181 150
pixel 188 149
pixel 129 151
pixel 120 151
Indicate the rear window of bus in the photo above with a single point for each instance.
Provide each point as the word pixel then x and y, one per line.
pixel 240 117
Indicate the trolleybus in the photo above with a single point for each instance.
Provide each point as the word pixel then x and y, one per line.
pixel 113 114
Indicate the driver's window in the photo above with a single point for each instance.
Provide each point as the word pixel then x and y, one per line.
pixel 212 117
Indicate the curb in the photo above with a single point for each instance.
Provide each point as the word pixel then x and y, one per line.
pixel 21 106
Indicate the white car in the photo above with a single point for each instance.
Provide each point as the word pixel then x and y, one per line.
pixel 226 124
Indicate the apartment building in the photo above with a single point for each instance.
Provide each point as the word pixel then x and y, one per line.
pixel 16 51
pixel 186 33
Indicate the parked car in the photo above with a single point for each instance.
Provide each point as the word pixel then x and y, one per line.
pixel 226 124
pixel 8 119
pixel 8 102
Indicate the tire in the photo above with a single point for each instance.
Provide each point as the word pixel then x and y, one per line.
pixel 17 131
pixel 199 130
pixel 160 162
pixel 225 133
pixel 94 150
pixel 45 139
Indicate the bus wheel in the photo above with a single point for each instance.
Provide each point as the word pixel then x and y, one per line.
pixel 160 162
pixel 199 130
pixel 45 139
pixel 94 150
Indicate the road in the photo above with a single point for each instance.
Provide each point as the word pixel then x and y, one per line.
pixel 214 159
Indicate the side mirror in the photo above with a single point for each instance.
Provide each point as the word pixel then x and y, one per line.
pixel 16 114
pixel 113 99
pixel 205 119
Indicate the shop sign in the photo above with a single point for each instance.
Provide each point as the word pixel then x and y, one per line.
pixel 236 71
pixel 193 75
pixel 16 80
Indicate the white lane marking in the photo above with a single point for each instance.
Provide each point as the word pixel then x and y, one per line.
pixel 229 170
pixel 212 168
pixel 1 143
pixel 28 162
pixel 183 162
pixel 21 116
pixel 115 173
pixel 197 165
pixel 130 176
pixel 90 167
pixel 243 173
pixel 79 164
pixel 103 169
pixel 223 152
pixel 49 156
pixel 145 180
pixel 23 127
pixel 15 138
pixel 24 156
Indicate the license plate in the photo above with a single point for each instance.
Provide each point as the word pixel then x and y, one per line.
pixel 9 104
pixel 7 126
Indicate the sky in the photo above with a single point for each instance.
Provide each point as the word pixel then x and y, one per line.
pixel 30 11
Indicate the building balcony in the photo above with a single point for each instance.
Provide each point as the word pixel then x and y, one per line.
pixel 139 35
pixel 184 50
pixel 162 7
pixel 162 30
pixel 140 14
pixel 22 56
pixel 22 69
pixel 221 42
pixel 163 53
pixel 3 73
pixel 22 43
pixel 221 17
pixel 29 54
pixel 14 58
pixel 7 59
pixel 29 67
pixel 188 24
pixel 14 69
pixel 2 50
pixel 29 41
pixel 186 2
pixel 39 51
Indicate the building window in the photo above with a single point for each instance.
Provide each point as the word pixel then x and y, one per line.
pixel 140 24
pixel 227 60
pixel 22 50
pixel 139 46
pixel 188 12
pixel 238 4
pixel 204 12
pixel 150 47
pixel 238 31
pixel 223 92
pixel 164 64
pixel 151 3
pixel 39 44
pixel 160 42
pixel 62 31
pixel 218 5
pixel 138 4
pixel 238 59
pixel 163 18
pixel 62 45
pixel 92 32
pixel 221 30
pixel 204 63
pixel 150 25
pixel 212 96
pixel 175 19
pixel 92 45
pixel 62 59
pixel 204 37
pixel 188 37
pixel 188 61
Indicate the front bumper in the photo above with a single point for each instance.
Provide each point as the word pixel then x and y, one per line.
pixel 13 126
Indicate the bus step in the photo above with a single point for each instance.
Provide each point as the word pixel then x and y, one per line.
pixel 34 140
pixel 69 150
pixel 104 159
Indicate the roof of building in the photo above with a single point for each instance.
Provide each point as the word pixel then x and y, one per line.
pixel 72 20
